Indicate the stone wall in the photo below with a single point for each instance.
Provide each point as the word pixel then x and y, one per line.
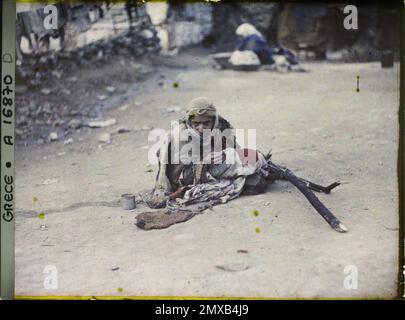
pixel 315 28
pixel 189 24
pixel 214 24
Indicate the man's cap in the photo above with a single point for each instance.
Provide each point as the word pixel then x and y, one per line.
pixel 201 107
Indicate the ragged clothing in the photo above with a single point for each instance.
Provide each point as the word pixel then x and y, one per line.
pixel 222 183
pixel 182 184
pixel 173 171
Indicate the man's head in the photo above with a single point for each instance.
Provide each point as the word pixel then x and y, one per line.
pixel 201 114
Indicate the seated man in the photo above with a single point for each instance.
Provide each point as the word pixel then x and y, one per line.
pixel 203 162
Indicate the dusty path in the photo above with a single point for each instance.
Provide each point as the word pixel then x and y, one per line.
pixel 315 123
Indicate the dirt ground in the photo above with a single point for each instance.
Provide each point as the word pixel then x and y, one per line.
pixel 315 123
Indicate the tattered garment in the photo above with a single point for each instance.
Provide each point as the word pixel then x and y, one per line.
pixel 224 182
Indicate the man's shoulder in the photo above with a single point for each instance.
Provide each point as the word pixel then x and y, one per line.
pixel 224 124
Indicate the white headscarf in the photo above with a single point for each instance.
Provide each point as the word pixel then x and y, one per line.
pixel 246 29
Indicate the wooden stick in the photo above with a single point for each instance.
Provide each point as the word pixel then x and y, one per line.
pixel 312 198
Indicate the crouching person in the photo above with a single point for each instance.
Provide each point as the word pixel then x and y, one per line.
pixel 253 40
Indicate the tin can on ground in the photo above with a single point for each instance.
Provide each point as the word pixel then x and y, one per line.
pixel 128 201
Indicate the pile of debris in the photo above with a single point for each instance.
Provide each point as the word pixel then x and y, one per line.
pixel 59 91
pixel 140 40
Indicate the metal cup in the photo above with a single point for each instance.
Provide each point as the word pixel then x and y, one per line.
pixel 128 201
